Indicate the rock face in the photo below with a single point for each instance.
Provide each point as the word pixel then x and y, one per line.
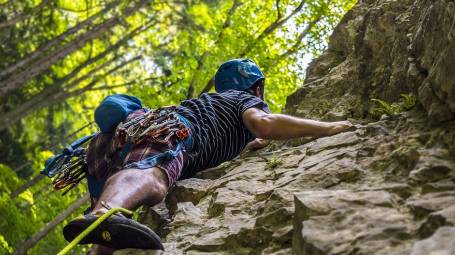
pixel 386 188
pixel 383 48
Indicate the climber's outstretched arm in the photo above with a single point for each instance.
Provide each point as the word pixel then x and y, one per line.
pixel 280 126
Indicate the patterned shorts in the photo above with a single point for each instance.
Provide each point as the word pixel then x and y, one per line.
pixel 103 158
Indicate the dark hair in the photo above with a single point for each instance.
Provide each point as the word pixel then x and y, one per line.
pixel 259 84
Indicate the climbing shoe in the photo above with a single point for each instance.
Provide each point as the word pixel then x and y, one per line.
pixel 117 232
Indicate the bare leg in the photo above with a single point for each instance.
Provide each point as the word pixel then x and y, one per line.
pixel 130 189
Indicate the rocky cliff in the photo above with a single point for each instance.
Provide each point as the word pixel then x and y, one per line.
pixel 386 188
pixel 383 48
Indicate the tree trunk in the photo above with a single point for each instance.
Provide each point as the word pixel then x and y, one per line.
pixel 24 15
pixel 23 247
pixel 36 102
pixel 55 41
pixel 19 79
pixel 27 185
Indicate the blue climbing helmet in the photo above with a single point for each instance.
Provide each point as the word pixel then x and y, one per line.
pixel 238 74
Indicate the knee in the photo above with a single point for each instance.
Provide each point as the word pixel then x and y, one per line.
pixel 148 181
pixel 158 187
pixel 160 190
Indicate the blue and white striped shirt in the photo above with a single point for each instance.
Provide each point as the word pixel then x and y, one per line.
pixel 219 133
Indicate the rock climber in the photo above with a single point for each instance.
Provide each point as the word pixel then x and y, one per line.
pixel 138 156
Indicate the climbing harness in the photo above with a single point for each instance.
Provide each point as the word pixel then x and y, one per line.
pixel 162 126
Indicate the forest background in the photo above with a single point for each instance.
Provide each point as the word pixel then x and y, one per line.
pixel 59 58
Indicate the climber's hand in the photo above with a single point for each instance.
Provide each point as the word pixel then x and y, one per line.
pixel 341 126
pixel 254 145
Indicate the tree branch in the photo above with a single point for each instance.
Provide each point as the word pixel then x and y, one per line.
pixel 210 84
pixel 23 15
pixel 271 28
pixel 201 60
pixel 277 5
pixel 65 94
pixel 296 46
pixel 298 43
pixel 185 20
pixel 77 11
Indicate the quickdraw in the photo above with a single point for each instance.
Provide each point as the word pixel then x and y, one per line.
pixel 68 168
pixel 71 174
pixel 183 133
pixel 160 125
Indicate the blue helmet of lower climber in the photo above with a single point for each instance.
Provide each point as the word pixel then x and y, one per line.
pixel 238 74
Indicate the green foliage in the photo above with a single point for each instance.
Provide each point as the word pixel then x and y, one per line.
pixel 4 246
pixel 30 211
pixel 407 102
pixel 273 162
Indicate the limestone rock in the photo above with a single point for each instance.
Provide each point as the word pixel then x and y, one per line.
pixel 340 140
pixel 445 217
pixel 430 203
pixel 189 190
pixel 381 49
pixel 433 166
pixel 344 221
pixel 440 243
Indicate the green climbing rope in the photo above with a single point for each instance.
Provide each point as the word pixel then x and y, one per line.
pixel 92 227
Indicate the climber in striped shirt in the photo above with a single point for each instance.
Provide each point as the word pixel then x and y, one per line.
pixel 221 126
